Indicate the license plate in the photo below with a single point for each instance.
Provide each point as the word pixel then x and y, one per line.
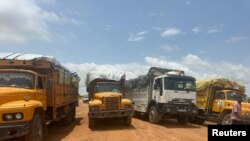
pixel 182 110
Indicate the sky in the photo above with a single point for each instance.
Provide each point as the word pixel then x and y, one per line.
pixel 206 39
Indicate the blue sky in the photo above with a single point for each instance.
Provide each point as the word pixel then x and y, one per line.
pixel 204 38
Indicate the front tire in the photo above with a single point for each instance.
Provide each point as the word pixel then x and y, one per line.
pixel 36 131
pixel 127 120
pixel 153 115
pixel 226 119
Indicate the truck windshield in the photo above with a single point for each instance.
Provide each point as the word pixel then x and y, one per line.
pixel 16 79
pixel 179 84
pixel 107 87
pixel 235 96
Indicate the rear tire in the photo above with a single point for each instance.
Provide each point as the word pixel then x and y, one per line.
pixel 182 119
pixel 36 131
pixel 153 115
pixel 127 120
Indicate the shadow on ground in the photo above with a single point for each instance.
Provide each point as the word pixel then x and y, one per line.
pixel 170 123
pixel 60 130
pixel 111 124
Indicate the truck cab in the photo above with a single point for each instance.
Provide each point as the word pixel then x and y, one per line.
pixel 168 87
pixel 223 103
pixel 35 90
pixel 107 100
pixel 215 100
pixel 175 96
pixel 163 93
pixel 22 92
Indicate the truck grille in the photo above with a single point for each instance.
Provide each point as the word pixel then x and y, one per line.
pixel 111 103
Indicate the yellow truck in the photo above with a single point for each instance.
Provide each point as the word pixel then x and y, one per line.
pixel 215 99
pixel 106 91
pixel 34 91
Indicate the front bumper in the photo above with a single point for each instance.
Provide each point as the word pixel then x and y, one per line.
pixel 110 114
pixel 177 109
pixel 12 130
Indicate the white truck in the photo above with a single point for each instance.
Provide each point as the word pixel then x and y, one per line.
pixel 163 93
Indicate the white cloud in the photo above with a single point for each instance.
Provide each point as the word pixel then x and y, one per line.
pixel 192 64
pixel 25 20
pixel 156 28
pixel 48 1
pixel 195 61
pixel 171 32
pixel 170 48
pixel 213 30
pixel 137 36
pixel 236 39
pixel 132 70
pixel 151 61
pixel 196 29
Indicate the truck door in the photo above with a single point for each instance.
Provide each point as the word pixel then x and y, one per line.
pixel 41 93
pixel 218 102
pixel 158 89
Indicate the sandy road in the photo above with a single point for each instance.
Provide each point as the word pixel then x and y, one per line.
pixel 114 130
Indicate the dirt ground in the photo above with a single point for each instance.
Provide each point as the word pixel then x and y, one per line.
pixel 114 130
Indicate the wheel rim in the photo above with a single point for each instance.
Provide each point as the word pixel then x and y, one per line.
pixel 226 120
pixel 39 131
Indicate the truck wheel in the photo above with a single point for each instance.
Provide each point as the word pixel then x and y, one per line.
pixel 127 120
pixel 153 115
pixel 182 119
pixel 226 119
pixel 36 131
pixel 92 122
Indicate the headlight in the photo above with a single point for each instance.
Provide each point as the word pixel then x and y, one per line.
pixel 8 117
pixel 94 108
pixel 12 116
pixel 18 116
pixel 127 107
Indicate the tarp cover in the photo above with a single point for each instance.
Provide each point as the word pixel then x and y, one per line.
pixel 104 74
pixel 25 56
pixel 219 83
